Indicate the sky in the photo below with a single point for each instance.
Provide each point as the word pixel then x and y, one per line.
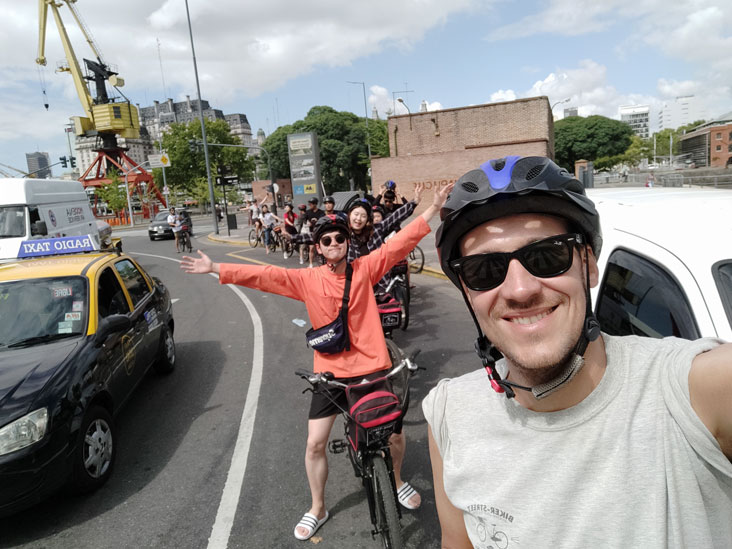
pixel 273 60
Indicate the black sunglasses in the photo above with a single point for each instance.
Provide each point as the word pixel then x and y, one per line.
pixel 326 240
pixel 546 258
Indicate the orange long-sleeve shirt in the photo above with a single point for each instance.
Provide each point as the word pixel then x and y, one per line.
pixel 322 292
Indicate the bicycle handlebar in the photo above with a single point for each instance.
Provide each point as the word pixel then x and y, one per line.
pixel 327 378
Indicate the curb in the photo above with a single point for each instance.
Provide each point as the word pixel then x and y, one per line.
pixel 429 271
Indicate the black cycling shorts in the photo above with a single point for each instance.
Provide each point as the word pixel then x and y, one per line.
pixel 321 406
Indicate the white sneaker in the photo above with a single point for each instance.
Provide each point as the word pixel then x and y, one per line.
pixel 301 262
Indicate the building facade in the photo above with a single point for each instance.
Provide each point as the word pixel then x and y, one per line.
pixel 239 127
pixel 435 148
pixel 638 117
pixel 681 111
pixel 38 165
pixel 161 115
pixel 710 145
pixel 571 111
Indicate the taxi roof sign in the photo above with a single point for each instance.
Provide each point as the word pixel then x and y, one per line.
pixel 57 246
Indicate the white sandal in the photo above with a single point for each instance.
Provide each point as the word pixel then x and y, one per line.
pixel 311 523
pixel 404 494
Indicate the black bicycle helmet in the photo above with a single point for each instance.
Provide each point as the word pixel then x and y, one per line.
pixel 328 199
pixel 390 184
pixel 377 208
pixel 329 223
pixel 302 207
pixel 313 200
pixel 509 186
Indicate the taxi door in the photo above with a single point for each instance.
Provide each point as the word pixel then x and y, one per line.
pixel 116 359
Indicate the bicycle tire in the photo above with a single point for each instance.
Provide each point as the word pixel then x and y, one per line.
pixel 387 516
pixel 401 293
pixel 287 249
pixel 253 238
pixel 416 260
pixel 395 353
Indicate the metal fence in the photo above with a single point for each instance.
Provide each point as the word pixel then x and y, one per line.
pixel 668 179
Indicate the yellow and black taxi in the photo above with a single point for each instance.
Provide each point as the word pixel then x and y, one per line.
pixel 78 331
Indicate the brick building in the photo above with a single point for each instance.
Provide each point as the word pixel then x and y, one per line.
pixel 437 147
pixel 710 144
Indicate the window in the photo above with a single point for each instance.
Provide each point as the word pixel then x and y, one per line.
pixel 722 273
pixel 730 136
pixel 133 280
pixel 639 297
pixel 117 112
pixel 719 135
pixel 111 298
pixel 729 148
pixel 719 147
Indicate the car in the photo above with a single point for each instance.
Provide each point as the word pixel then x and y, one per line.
pixel 78 333
pixel 159 227
pixel 666 262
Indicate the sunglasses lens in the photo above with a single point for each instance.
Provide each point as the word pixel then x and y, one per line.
pixel 339 238
pixel 483 272
pixel 547 258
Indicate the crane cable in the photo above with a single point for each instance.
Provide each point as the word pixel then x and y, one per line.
pixel 42 80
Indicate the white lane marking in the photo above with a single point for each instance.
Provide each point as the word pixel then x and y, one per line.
pixel 226 513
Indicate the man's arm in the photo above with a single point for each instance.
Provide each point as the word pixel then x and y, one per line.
pixel 710 389
pixel 452 525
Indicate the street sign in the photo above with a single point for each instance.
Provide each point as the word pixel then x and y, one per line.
pixel 161 160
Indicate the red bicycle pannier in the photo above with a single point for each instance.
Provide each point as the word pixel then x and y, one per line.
pixel 374 409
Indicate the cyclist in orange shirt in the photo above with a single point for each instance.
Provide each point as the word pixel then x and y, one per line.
pixel 321 289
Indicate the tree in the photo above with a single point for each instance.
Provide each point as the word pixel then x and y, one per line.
pixel 589 138
pixel 113 194
pixel 342 142
pixel 189 167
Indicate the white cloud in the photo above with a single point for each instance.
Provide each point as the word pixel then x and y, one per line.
pixel 386 104
pixel 502 95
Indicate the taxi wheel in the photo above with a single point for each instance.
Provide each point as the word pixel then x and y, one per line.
pixel 95 451
pixel 165 362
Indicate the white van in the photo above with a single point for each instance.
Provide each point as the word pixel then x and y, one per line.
pixel 42 208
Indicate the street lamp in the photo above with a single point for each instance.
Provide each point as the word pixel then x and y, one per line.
pixel 410 112
pixel 127 191
pixel 366 112
pixel 203 129
pixel 560 102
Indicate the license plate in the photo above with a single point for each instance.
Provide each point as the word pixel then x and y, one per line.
pixel 391 319
pixel 161 230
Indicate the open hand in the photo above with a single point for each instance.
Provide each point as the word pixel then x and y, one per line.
pixel 198 265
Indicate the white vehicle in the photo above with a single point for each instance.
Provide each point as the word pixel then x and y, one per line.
pixel 666 262
pixel 42 208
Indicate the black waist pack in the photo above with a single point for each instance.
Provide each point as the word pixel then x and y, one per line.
pixel 333 337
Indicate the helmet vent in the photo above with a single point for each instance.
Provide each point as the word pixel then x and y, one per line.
pixel 533 172
pixel 499 164
pixel 470 187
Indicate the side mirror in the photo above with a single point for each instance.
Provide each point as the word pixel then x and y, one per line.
pixel 39 228
pixel 112 324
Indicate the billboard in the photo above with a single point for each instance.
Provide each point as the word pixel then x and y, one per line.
pixel 304 157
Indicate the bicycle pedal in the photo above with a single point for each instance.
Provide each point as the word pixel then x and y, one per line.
pixel 337 446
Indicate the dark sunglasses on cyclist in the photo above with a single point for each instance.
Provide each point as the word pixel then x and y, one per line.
pixel 326 240
pixel 546 258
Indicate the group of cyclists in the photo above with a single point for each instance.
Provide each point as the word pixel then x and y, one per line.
pixel 561 415
pixel 180 222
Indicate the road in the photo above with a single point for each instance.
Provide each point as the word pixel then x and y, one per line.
pixel 182 436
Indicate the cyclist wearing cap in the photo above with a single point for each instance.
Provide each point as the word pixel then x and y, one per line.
pixel 329 204
pixel 573 437
pixel 311 216
pixel 321 290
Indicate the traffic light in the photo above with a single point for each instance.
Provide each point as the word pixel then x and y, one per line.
pixel 72 161
pixel 64 162
pixel 192 146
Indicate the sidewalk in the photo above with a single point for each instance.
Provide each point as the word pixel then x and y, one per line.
pixel 240 237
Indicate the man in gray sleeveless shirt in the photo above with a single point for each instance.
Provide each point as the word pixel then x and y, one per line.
pixel 567 437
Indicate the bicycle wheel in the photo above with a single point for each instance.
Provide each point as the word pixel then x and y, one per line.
pixel 387 517
pixel 253 238
pixel 287 248
pixel 395 353
pixel 416 260
pixel 401 293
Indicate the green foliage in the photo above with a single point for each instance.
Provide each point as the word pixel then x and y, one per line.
pixel 589 138
pixel 113 194
pixel 663 141
pixel 188 168
pixel 342 142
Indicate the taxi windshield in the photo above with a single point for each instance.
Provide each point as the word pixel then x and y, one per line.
pixel 38 311
pixel 12 221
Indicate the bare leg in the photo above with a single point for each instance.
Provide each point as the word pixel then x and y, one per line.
pixel 316 464
pixel 398 449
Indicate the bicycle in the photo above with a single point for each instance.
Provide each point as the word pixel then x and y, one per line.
pixel 255 237
pixel 184 240
pixel 367 442
pixel 416 260
pixel 399 287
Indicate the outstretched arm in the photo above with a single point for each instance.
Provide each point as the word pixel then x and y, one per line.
pixel 438 200
pixel 710 389
pixel 199 265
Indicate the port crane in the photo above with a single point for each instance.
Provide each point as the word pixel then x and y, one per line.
pixel 104 117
